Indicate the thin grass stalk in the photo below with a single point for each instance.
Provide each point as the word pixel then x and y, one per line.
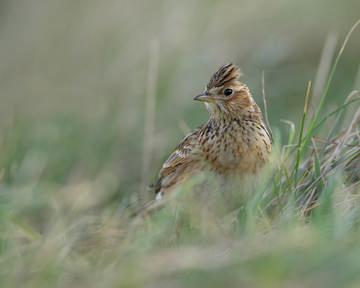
pixel 149 124
pixel 342 107
pixel 265 103
pixel 322 101
pixel 339 148
pixel 322 73
pixel 337 120
pixel 277 179
pixel 298 156
pixel 291 136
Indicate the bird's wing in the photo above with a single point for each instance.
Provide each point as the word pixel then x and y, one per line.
pixel 173 170
pixel 185 148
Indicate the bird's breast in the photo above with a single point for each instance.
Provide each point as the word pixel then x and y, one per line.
pixel 237 147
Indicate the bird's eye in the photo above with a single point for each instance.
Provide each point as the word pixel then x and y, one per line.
pixel 228 91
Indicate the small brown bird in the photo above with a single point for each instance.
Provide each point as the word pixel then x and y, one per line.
pixel 234 142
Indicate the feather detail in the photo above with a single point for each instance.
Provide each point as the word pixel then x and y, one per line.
pixel 185 155
pixel 224 75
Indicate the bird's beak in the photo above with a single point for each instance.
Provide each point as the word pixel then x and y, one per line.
pixel 205 98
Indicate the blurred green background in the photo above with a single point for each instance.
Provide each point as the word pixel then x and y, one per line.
pixel 83 83
pixel 87 63
pixel 83 66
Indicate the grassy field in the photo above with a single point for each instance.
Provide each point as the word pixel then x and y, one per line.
pixel 83 84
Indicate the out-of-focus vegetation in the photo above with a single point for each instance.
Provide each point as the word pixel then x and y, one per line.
pixel 82 83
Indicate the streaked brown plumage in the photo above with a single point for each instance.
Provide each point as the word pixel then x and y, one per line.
pixel 234 142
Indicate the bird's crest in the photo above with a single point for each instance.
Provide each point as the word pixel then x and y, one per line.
pixel 226 73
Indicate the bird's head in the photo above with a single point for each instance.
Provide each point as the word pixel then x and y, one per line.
pixel 224 95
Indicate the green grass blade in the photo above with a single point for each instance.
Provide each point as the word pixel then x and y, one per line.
pixel 298 156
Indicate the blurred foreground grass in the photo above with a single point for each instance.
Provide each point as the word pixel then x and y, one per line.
pixel 64 221
pixel 74 82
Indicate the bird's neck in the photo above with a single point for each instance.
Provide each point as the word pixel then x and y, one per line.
pixel 220 114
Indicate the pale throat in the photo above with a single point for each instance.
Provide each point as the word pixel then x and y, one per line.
pixel 220 112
